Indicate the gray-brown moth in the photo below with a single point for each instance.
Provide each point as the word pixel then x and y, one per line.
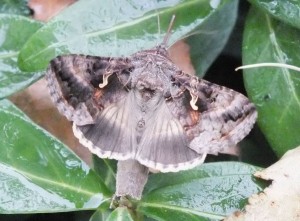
pixel 147 113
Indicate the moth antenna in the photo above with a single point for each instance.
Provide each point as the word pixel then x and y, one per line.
pixel 158 24
pixel 168 34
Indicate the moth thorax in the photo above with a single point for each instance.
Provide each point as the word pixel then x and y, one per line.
pixel 147 93
pixel 147 79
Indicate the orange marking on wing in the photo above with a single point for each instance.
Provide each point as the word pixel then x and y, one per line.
pixel 195 116
pixel 98 94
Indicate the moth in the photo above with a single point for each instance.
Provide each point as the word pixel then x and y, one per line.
pixel 145 112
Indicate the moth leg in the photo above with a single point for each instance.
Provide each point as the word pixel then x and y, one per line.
pixel 193 101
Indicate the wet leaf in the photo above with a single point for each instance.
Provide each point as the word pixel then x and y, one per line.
pixel 14 32
pixel 120 28
pixel 275 91
pixel 120 214
pixel 8 106
pixel 18 7
pixel 208 192
pixel 280 201
pixel 38 173
pixel 102 212
pixel 213 35
pixel 287 11
pixel 106 169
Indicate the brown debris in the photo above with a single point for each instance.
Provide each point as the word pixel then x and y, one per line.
pixel 281 200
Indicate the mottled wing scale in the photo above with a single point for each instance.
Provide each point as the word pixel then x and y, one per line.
pixel 223 119
pixel 180 137
pixel 73 81
pixel 98 114
pixel 177 135
pixel 229 118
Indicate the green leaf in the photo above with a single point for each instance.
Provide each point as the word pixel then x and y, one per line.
pixel 102 212
pixel 14 32
pixel 8 106
pixel 287 11
pixel 14 7
pixel 275 91
pixel 106 169
pixel 38 173
pixel 120 28
pixel 213 35
pixel 120 214
pixel 208 192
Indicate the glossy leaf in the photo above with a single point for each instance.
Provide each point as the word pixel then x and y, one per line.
pixel 120 28
pixel 120 214
pixel 275 91
pixel 106 169
pixel 102 212
pixel 14 32
pixel 8 106
pixel 213 35
pixel 208 192
pixel 14 7
pixel 287 11
pixel 38 173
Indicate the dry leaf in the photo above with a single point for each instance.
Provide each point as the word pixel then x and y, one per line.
pixel 180 55
pixel 281 200
pixel 43 10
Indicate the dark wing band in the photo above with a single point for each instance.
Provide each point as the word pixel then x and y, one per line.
pixel 224 116
pixel 73 81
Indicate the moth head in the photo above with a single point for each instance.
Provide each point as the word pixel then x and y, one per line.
pixel 161 49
